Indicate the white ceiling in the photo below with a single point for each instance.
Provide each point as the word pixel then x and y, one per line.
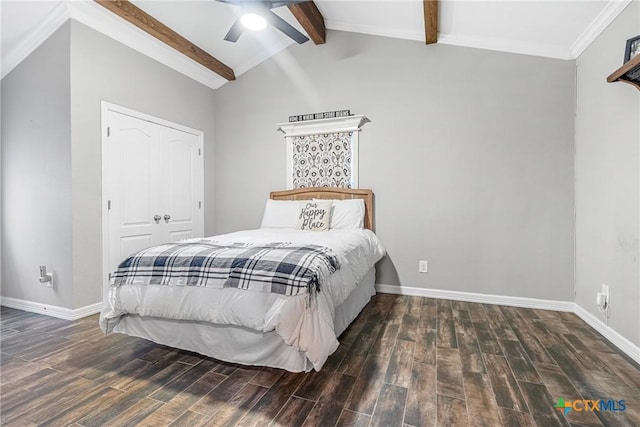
pixel 549 28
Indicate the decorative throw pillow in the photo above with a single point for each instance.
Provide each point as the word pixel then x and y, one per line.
pixel 314 215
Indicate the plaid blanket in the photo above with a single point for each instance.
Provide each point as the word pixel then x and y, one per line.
pixel 281 268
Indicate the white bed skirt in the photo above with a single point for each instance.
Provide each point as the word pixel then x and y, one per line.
pixel 242 345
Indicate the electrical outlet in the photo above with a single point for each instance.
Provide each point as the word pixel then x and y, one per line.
pixel 45 277
pixel 602 297
pixel 423 267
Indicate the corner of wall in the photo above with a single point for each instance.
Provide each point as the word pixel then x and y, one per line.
pixel 607 181
pixel 36 216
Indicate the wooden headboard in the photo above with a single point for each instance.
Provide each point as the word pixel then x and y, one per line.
pixel 330 193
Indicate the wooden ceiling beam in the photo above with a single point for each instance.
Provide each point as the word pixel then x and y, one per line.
pixel 431 21
pixel 311 19
pixel 160 31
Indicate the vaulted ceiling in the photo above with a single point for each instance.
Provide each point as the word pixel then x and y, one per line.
pixel 555 29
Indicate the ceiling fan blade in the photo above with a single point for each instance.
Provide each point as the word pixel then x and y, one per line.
pixel 235 31
pixel 285 27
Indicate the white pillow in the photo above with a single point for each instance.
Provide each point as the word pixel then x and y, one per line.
pixel 347 214
pixel 314 215
pixel 281 214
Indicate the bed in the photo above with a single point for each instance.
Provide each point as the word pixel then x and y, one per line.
pixel 244 317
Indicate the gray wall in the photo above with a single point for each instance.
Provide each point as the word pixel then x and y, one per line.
pixel 607 179
pixel 469 153
pixel 36 174
pixel 51 155
pixel 103 69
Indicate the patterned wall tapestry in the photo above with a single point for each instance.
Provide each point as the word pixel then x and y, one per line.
pixel 322 160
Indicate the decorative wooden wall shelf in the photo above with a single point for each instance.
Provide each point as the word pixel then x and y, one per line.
pixel 628 73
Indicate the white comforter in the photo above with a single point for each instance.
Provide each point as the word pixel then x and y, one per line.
pixel 309 328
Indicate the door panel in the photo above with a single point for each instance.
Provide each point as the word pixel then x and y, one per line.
pixel 133 190
pixel 132 244
pixel 136 182
pixel 177 235
pixel 180 181
pixel 183 185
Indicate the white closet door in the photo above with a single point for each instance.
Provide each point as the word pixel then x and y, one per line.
pixel 135 193
pixel 182 186
pixel 155 185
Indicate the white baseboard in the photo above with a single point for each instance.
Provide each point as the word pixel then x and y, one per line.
pixel 629 348
pixel 626 346
pixel 542 304
pixel 51 310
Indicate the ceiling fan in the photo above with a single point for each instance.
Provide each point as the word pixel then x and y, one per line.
pixel 256 14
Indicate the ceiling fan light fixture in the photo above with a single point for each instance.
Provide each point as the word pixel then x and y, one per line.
pixel 253 21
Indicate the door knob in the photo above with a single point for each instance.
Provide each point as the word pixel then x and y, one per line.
pixel 167 218
pixel 157 218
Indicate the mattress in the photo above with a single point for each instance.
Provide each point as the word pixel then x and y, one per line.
pixel 308 328
pixel 237 344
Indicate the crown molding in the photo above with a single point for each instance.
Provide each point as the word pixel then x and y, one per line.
pixel 100 19
pixel 396 33
pixel 497 44
pixel 602 21
pixel 105 22
pixel 58 16
pixel 506 45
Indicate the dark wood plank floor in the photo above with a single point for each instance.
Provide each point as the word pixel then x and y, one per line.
pixel 405 361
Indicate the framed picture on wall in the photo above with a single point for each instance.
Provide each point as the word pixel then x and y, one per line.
pixel 323 152
pixel 633 48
